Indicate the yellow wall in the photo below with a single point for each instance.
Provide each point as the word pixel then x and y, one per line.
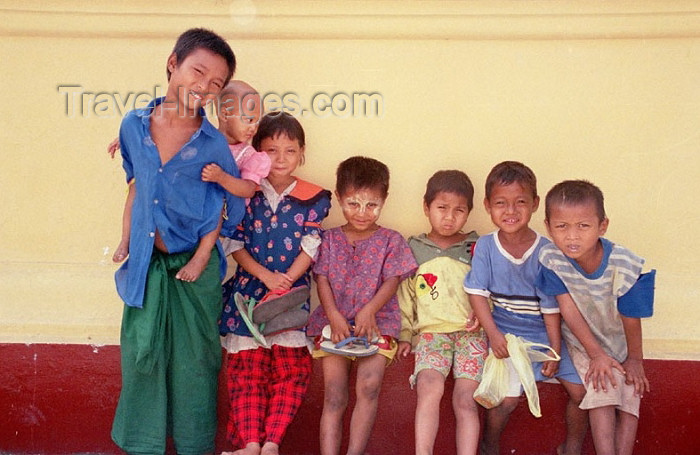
pixel 606 91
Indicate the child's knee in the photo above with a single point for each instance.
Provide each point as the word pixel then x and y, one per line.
pixel 430 382
pixel 464 402
pixel 576 392
pixel 507 406
pixel 335 399
pixel 368 387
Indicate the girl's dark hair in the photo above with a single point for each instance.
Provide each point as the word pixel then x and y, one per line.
pixel 509 172
pixel 452 181
pixel 575 192
pixel 198 38
pixel 276 123
pixel 362 172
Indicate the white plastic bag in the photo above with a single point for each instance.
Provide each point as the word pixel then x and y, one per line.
pixel 494 382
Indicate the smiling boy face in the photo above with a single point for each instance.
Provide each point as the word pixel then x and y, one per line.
pixel 197 80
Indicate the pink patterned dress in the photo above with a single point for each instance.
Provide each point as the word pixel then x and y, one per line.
pixel 356 272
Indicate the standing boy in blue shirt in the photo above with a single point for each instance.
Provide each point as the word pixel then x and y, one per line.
pixel 170 351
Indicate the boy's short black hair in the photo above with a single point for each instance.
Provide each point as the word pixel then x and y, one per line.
pixel 575 192
pixel 359 172
pixel 508 172
pixel 198 38
pixel 276 123
pixel 450 181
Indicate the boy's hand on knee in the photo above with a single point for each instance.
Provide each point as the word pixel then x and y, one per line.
pixel 635 375
pixel 600 370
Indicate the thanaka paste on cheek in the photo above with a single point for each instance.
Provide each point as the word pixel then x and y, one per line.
pixel 362 206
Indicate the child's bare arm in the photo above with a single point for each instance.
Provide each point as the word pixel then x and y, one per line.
pixel 497 341
pixel 238 187
pixel 299 266
pixel 552 323
pixel 198 262
pixel 365 323
pixel 601 364
pixel 272 280
pixel 340 329
pixel 634 363
pixel 407 304
pixel 122 250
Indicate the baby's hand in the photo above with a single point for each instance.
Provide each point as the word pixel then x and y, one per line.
pixel 403 350
pixel 635 375
pixel 473 323
pixel 212 173
pixel 113 147
pixel 600 370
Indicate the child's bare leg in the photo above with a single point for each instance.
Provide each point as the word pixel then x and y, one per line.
pixel 466 416
pixel 336 371
pixel 194 267
pixel 122 250
pixel 430 386
pixel 370 373
pixel 576 420
pixel 199 260
pixel 270 448
pixel 626 433
pixel 496 421
pixel 603 429
pixel 252 448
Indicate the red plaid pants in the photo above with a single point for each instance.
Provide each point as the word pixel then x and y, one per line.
pixel 266 388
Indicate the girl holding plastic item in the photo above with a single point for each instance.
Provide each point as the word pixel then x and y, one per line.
pixel 276 245
pixel 359 269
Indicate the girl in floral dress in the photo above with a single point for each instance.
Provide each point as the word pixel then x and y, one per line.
pixel 276 246
pixel 359 269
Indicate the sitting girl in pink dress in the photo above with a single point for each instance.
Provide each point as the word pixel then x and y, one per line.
pixel 359 268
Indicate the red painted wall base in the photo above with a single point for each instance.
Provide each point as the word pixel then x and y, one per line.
pixel 59 399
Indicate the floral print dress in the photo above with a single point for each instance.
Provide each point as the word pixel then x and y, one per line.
pixel 274 238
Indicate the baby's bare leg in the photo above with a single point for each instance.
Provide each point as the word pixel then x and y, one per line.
pixel 194 267
pixel 198 262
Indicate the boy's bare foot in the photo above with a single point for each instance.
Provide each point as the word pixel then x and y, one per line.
pixel 270 448
pixel 122 251
pixel 253 448
pixel 193 269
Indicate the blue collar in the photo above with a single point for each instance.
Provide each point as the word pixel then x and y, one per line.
pixel 145 115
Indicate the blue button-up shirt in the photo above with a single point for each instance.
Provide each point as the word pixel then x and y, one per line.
pixel 172 198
